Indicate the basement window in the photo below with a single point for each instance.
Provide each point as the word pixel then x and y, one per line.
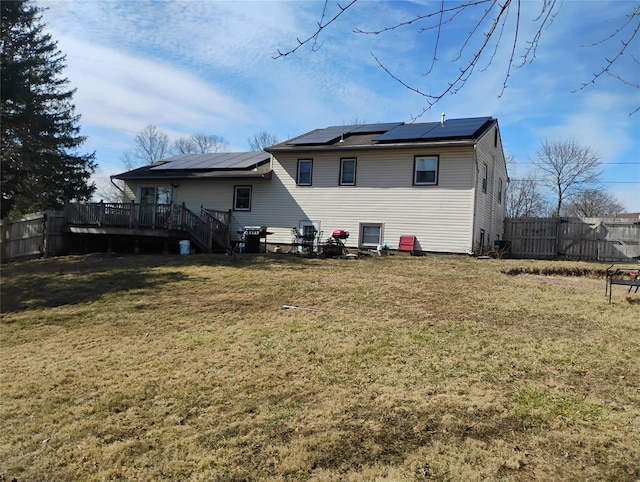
pixel 370 235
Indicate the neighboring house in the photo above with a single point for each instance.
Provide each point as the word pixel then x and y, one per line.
pixel 442 182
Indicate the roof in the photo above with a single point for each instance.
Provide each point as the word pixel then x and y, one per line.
pixel 227 165
pixel 389 135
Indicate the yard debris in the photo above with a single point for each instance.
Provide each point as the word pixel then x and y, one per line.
pixel 292 307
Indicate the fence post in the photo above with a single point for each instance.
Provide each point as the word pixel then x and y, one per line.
pixel 4 231
pixel 45 234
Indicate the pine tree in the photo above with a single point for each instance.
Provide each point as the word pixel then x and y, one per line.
pixel 41 167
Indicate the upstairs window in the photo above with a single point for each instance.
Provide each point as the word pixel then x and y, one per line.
pixel 242 198
pixel 348 172
pixel 485 177
pixel 305 168
pixel 500 190
pixel 425 170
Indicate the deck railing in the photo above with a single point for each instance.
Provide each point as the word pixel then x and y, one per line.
pixel 219 225
pixel 205 228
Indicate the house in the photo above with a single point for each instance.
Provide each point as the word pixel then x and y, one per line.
pixel 442 182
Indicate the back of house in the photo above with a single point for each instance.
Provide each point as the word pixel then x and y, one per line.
pixel 442 182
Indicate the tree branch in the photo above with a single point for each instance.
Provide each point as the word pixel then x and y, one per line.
pixel 316 34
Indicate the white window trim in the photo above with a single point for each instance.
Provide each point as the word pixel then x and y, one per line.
pixel 361 243
pixel 415 170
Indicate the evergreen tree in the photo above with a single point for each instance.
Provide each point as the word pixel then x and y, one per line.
pixel 41 167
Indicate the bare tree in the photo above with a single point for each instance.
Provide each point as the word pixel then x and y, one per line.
pixel 149 145
pixel 109 190
pixel 261 140
pixel 566 169
pixel 199 143
pixel 593 203
pixel 524 200
pixel 498 22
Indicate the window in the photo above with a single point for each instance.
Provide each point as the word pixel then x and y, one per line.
pixel 370 234
pixel 348 172
pixel 242 198
pixel 305 167
pixel 482 238
pixel 155 195
pixel 426 170
pixel 485 177
pixel 500 190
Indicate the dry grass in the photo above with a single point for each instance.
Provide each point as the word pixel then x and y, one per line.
pixel 434 368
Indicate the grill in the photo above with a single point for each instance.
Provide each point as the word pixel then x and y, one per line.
pixel 340 234
pixel 254 231
pixel 251 237
pixel 335 244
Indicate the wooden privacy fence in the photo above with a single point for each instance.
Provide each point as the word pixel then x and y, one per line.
pixel 597 239
pixel 38 234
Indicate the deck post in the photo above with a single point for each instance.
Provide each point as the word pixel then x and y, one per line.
pixel 131 213
pixel 228 234
pixel 101 212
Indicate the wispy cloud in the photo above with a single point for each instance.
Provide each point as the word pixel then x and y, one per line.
pixel 207 66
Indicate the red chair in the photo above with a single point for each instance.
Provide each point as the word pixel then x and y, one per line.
pixel 407 243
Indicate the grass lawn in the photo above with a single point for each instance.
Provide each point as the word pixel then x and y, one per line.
pixel 187 368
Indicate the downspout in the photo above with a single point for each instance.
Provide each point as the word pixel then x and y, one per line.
pixel 475 198
pixel 117 187
pixel 490 192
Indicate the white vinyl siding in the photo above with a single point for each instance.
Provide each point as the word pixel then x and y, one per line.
pixel 439 216
pixel 489 212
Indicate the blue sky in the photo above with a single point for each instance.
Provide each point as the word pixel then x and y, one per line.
pixel 208 66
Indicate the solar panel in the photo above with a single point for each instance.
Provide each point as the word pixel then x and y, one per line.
pixel 435 130
pixel 226 160
pixel 323 136
pixel 333 133
pixel 405 132
pixel 373 128
pixel 457 128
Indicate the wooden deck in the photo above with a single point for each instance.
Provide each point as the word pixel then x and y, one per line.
pixel 208 229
